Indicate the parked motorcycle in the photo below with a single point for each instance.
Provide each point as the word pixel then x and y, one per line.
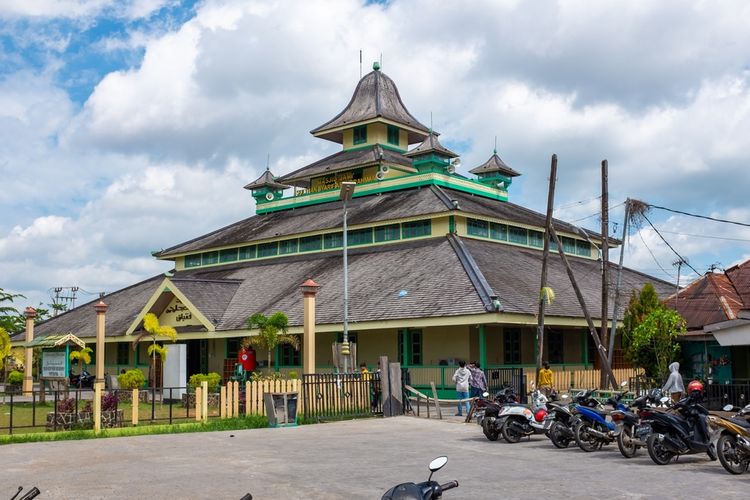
pixel 565 417
pixel 517 421
pixel 634 433
pixel 82 380
pixel 683 430
pixel 597 428
pixel 505 396
pixel 426 490
pixel 479 405
pixel 733 446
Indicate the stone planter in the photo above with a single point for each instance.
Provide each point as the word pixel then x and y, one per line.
pixel 12 389
pixel 126 396
pixel 189 400
pixel 82 419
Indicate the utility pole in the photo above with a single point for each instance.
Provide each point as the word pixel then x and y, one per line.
pixel 615 311
pixel 545 255
pixel 605 259
pixel 679 262
pixel 592 329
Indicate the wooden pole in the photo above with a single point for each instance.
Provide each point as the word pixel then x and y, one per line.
pixel 592 329
pixel 204 401
pixel 615 307
pixel 545 255
pixel 134 409
pixel 198 404
pixel 605 261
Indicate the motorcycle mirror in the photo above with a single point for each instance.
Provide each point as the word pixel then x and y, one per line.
pixel 438 463
pixel 485 394
pixel 728 408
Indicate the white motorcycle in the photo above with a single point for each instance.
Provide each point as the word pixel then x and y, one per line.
pixel 517 421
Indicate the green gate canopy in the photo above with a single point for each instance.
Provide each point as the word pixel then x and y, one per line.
pixel 56 340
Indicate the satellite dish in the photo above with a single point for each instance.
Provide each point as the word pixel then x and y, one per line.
pixel 269 196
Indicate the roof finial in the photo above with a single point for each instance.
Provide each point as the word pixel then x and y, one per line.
pixel 376 66
pixel 360 64
pixel 495 150
pixel 430 122
pixel 268 161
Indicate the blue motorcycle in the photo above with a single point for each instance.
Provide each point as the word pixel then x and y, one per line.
pixel 596 429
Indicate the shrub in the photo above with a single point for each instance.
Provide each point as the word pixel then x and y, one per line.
pixel 67 405
pixel 109 403
pixel 292 375
pixel 131 379
pixel 15 378
pixel 213 379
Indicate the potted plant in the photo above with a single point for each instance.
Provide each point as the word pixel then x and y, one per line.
pixel 14 381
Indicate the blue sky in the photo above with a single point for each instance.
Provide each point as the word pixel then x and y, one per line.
pixel 129 126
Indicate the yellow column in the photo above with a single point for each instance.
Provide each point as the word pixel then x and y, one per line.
pixel 134 409
pixel 309 291
pixel 28 379
pixel 98 386
pixel 101 309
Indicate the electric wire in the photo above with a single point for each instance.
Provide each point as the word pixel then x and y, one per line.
pixel 744 224
pixel 579 202
pixel 710 237
pixel 670 246
pixel 654 256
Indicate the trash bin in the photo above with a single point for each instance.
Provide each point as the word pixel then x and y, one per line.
pixel 281 408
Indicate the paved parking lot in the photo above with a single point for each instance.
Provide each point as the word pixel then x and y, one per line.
pixel 353 459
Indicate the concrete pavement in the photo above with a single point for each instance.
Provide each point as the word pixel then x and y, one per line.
pixel 345 460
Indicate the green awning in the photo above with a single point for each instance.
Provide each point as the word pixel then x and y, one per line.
pixel 56 340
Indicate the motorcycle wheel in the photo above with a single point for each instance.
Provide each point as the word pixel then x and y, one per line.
pixel 489 430
pixel 733 462
pixel 625 442
pixel 557 436
pixel 510 434
pixel 586 441
pixel 656 450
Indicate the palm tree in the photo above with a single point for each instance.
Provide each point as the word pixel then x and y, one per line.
pixel 153 329
pixel 271 333
pixel 83 356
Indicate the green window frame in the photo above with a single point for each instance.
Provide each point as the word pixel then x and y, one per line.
pixel 476 227
pixel 268 249
pixel 228 255
pixel 232 348
pixel 289 356
pixel 390 232
pixel 415 346
pixel 518 235
pixel 123 353
pixel 393 135
pixel 333 240
pixel 359 236
pixel 583 248
pixel 288 246
pixel 569 245
pixel 416 228
pixel 512 346
pixel 248 252
pixel 359 134
pixel 310 243
pixel 209 258
pixel 193 260
pixel 498 231
pixel 536 239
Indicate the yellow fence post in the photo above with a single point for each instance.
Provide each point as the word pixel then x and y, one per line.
pixel 198 404
pixel 204 401
pixel 223 402
pixel 134 408
pixel 248 392
pixel 98 407
pixel 236 398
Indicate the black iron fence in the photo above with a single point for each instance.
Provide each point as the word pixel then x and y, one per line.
pixel 55 410
pixel 736 393
pixel 498 378
pixel 332 396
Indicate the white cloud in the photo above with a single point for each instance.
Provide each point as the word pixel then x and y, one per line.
pixel 132 9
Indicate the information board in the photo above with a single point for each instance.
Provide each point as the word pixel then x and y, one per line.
pixel 54 364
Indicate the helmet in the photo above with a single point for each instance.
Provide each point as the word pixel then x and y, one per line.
pixel 695 386
pixel 540 415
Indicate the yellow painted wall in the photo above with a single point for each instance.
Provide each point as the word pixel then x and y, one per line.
pixel 372 345
pixel 494 343
pixel 440 226
pixel 377 133
pixel 445 342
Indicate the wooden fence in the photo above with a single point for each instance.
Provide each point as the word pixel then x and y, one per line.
pixel 582 379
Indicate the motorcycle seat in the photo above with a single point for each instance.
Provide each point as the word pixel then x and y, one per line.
pixel 740 421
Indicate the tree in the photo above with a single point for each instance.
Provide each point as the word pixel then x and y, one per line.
pixel 640 306
pixel 153 329
pixel 83 356
pixel 268 336
pixel 5 348
pixel 10 319
pixel 658 333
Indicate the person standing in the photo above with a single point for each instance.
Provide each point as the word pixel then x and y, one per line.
pixel 478 382
pixel 674 386
pixel 545 380
pixel 461 378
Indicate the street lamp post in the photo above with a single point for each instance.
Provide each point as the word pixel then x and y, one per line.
pixel 347 190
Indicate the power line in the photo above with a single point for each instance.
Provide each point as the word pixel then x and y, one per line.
pixel 744 224
pixel 654 256
pixel 580 202
pixel 705 236
pixel 684 261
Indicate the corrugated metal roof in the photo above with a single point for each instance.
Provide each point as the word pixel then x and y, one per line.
pixel 710 299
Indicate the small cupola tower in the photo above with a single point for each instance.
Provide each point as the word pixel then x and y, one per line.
pixel 265 188
pixel 494 172
pixel 431 156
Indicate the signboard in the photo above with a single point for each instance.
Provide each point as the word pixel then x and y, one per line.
pixel 54 364
pixel 177 314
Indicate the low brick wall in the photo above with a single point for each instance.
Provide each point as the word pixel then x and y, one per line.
pixel 188 400
pixel 82 419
